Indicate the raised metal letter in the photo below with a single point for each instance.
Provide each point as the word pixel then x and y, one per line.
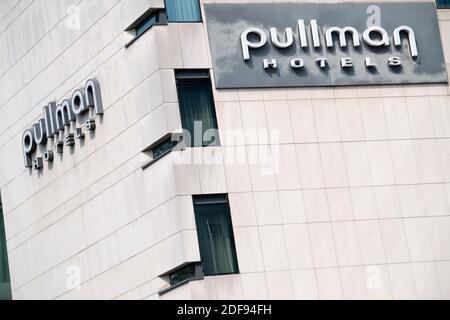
pixel 411 39
pixel 384 41
pixel 246 44
pixel 302 33
pixel 40 132
pixel 270 63
pixel 342 32
pixel 315 33
pixel 64 115
pixel 277 43
pixel 78 102
pixel 297 63
pixel 50 119
pixel 28 146
pixel 346 62
pixel 93 96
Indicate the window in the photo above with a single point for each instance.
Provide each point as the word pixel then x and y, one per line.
pixel 155 18
pixel 163 148
pixel 215 234
pixel 198 115
pixel 5 288
pixel 443 4
pixel 189 272
pixel 175 11
pixel 183 11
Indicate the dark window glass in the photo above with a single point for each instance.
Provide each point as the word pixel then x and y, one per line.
pixel 153 19
pixel 198 115
pixel 183 11
pixel 5 289
pixel 215 234
pixel 442 4
pixel 182 274
pixel 163 148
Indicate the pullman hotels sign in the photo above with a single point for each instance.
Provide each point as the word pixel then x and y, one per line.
pixel 288 45
pixel 56 122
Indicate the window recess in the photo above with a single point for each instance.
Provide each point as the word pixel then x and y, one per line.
pixel 215 241
pixel 161 148
pixel 197 109
pixel 187 272
pixel 215 234
pixel 152 17
pixel 162 12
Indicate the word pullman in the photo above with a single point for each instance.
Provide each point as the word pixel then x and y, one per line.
pixel 373 36
pixel 55 120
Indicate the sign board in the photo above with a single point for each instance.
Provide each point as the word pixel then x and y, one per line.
pixel 289 45
pixel 56 122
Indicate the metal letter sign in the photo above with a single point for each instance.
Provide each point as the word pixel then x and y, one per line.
pixel 56 124
pixel 289 45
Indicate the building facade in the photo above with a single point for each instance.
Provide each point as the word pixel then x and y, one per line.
pixel 155 149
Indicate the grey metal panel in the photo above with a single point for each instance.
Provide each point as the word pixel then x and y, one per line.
pixel 226 22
